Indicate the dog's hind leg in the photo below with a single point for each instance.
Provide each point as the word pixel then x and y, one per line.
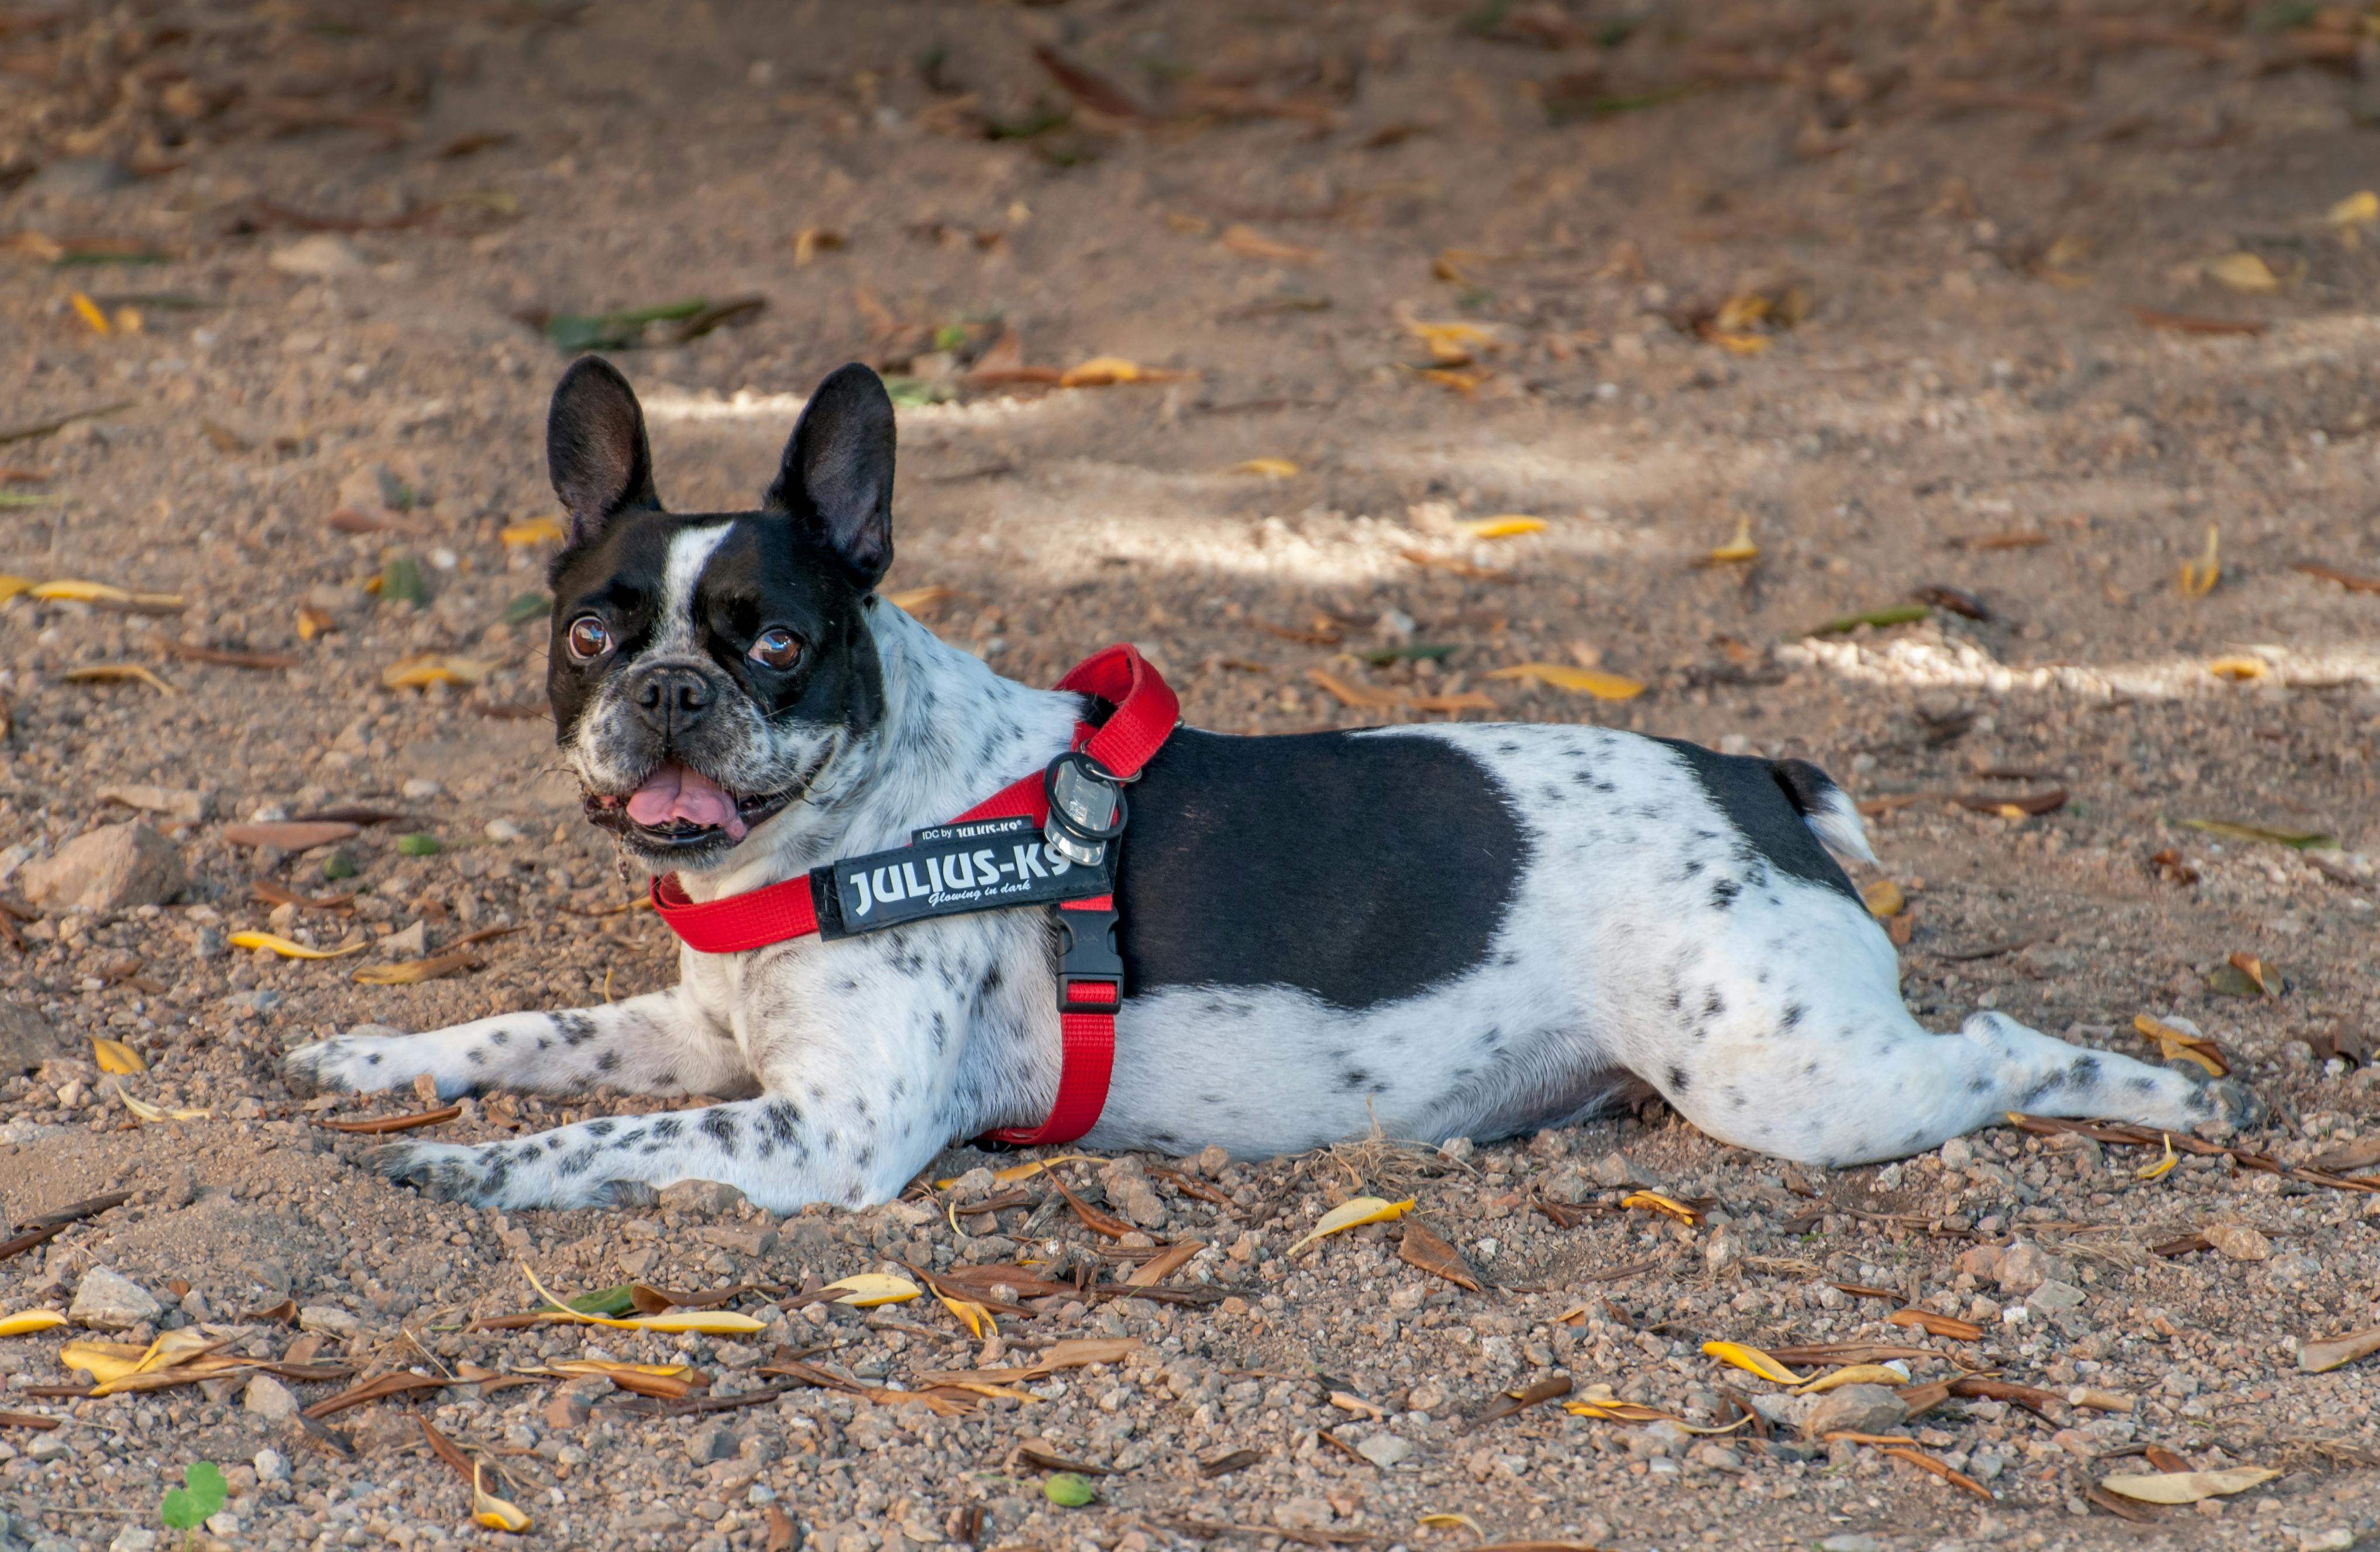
pixel 656 1044
pixel 1870 1095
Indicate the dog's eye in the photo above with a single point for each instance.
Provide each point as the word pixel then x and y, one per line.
pixel 589 638
pixel 776 649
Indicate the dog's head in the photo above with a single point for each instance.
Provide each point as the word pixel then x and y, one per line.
pixel 706 668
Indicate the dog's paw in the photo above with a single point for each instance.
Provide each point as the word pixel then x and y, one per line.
pixel 447 1172
pixel 339 1064
pixel 2233 1103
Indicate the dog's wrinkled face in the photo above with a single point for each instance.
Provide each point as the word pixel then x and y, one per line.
pixel 705 669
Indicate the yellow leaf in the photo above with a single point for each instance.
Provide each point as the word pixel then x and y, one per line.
pixel 2359 209
pixel 1451 1521
pixel 171 1348
pixel 2188 1488
pixel 2163 1167
pixel 492 1511
pixel 289 947
pixel 1101 371
pixel 1740 345
pixel 1461 381
pixel 1740 311
pixel 1740 548
pixel 25 1324
pixel 1506 526
pixel 102 1361
pixel 2237 669
pixel 1015 1172
pixel 535 530
pixel 869 1288
pixel 1561 677
pixel 312 623
pixel 974 1317
pixel 1353 1213
pixel 2199 577
pixel 88 310
pixel 435 668
pixel 2172 1042
pixel 1271 468
pixel 2243 272
pixel 1853 1374
pixel 11 586
pixel 1884 899
pixel 1652 1201
pixel 75 591
pixel 115 1056
pixel 612 1365
pixel 910 599
pixel 1450 344
pixel 1754 1360
pixel 110 673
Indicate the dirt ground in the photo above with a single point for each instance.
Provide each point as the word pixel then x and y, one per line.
pixel 2002 307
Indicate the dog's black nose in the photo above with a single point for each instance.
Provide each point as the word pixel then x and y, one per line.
pixel 671 699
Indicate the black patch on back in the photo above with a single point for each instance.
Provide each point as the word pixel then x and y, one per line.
pixel 1767 802
pixel 1360 870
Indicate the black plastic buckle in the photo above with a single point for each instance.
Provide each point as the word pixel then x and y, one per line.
pixel 1088 955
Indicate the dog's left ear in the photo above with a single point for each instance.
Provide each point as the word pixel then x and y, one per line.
pixel 595 447
pixel 836 481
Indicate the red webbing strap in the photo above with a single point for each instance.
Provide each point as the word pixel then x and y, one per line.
pixel 1146 712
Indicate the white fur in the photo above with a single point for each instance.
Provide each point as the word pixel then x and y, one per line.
pixel 1772 1021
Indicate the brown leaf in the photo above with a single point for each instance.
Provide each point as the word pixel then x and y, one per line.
pixel 1290 633
pixel 1094 92
pixel 2016 539
pixel 1837 1353
pixel 380 1125
pixel 1936 1324
pixel 1041 1460
pixel 2347 580
pixel 2041 1403
pixel 283 1314
pixel 1862 1290
pixel 781 1535
pixel 1223 1465
pixel 1940 1468
pixel 2164 1459
pixel 1423 1249
pixel 1249 243
pixel 1533 1394
pixel 2045 802
pixel 1923 1398
pixel 1172 1259
pixel 226 656
pixel 2122 1509
pixel 446 1449
pixel 374 1390
pixel 1092 1218
pixel 291 836
pixel 2193 323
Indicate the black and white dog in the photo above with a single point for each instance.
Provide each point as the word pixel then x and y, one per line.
pixel 1444 931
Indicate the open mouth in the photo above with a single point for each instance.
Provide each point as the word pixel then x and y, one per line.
pixel 678 808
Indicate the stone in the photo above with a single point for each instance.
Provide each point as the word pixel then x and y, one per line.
pixel 113 867
pixel 1213 1160
pixel 713 1441
pixel 269 1399
pixel 1130 1192
pixel 1979 1262
pixel 2238 1241
pixel 568 1412
pixel 1303 1514
pixel 2053 1297
pixel 1958 1153
pixel 270 1465
pixel 330 1320
pixel 2025 1266
pixel 1857 1409
pixel 1851 1541
pixel 699 1196
pixel 26 1040
pixel 412 943
pixel 754 1243
pixel 183 804
pixel 108 1301
pixel 48 1446
pixel 1384 1450
pixel 80 178
pixel 134 1538
pixel 1615 1170
pixel 317 257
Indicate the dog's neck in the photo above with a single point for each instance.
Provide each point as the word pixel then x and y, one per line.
pixel 953 733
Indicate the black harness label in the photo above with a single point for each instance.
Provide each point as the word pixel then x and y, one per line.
pixel 947 870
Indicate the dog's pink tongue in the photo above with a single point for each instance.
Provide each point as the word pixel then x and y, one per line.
pixel 674 792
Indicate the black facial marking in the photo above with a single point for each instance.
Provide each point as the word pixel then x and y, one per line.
pixel 1230 836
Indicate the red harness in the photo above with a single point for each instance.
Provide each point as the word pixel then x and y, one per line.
pixel 1090 978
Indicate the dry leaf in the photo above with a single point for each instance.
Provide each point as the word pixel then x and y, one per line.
pixel 1940 1468
pixel 1452 345
pixel 1561 677
pixel 1506 526
pixel 1249 243
pixel 115 1056
pixel 1155 1270
pixel 2189 1488
pixel 812 241
pixel 534 530
pixel 1462 382
pixel 1353 1213
pixel 1652 1201
pixel 1424 1249
pixel 1101 371
pixel 1740 548
pixel 492 1511
pixel 869 1288
pixel 435 668
pixel 2237 669
pixel 974 1317
pixel 1015 1172
pixel 2243 272
pixel 1363 697
pixel 2321 1357
pixel 107 596
pixel 1752 1361
pixel 154 1114
pixel 2163 1167
pixel 1271 468
pixel 2181 1039
pixel 88 310
pixel 2359 209
pixel 414 972
pixel 290 948
pixel 1855 1373
pixel 1530 1395
pixel 1884 899
pixel 107 673
pixel 1936 1324
pixel 911 600
pixel 312 623
pixel 30 1321
pixel 707 1322
pixel 1451 1521
pixel 2199 577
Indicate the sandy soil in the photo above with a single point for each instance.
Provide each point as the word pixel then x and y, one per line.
pixel 1866 278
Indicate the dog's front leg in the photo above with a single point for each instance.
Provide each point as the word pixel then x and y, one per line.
pixel 661 1043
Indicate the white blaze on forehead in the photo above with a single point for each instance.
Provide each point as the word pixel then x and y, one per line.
pixel 690 553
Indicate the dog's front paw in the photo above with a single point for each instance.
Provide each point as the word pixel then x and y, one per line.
pixel 345 1062
pixel 2232 1103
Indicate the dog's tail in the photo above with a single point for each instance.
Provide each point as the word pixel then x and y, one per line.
pixel 1824 808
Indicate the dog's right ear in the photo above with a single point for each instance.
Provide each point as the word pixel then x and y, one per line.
pixel 595 448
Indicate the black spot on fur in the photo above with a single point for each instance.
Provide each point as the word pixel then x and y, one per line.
pixel 1677 1079
pixel 373 1060
pixel 498 1037
pixel 476 1057
pixel 1793 1013
pixel 600 1128
pixel 576 1029
pixel 609 1062
pixel 668 1128
pixel 718 1125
